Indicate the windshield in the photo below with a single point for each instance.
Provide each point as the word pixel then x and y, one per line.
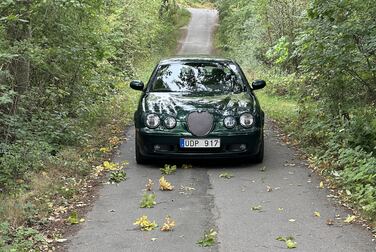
pixel 198 77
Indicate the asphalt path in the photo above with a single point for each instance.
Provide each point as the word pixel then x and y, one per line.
pixel 282 191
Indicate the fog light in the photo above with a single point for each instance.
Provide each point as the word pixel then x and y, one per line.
pixel 157 147
pixel 237 147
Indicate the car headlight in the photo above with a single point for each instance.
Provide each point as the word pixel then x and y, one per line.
pixel 246 120
pixel 169 122
pixel 152 121
pixel 229 122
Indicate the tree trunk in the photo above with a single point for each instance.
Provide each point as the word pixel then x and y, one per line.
pixel 18 32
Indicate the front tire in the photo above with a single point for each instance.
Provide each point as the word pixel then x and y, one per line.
pixel 140 159
pixel 259 157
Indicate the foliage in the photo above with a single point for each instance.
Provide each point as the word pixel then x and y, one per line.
pixel 209 239
pixel 168 169
pixel 148 200
pixel 64 96
pixel 20 239
pixel 318 58
pixel 337 47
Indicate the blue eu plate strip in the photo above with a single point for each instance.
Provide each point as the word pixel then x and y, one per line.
pixel 181 142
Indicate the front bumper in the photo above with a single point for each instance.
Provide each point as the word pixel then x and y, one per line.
pixel 157 145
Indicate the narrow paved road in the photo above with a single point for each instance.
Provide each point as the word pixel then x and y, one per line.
pixel 223 204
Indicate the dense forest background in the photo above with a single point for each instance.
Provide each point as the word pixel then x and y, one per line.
pixel 65 67
pixel 319 60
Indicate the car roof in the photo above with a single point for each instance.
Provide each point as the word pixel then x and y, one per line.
pixel 195 58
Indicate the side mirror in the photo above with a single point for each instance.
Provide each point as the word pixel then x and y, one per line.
pixel 258 84
pixel 137 85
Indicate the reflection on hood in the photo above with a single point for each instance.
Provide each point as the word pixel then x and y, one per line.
pixel 181 104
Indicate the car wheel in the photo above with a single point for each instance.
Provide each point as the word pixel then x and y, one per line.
pixel 259 157
pixel 140 159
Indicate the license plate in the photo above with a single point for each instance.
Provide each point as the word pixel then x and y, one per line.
pixel 200 143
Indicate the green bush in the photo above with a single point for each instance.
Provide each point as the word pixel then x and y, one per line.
pixel 316 56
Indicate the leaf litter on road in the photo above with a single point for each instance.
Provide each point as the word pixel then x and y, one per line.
pixel 73 218
pixel 117 176
pixel 145 224
pixel 226 175
pixel 321 186
pixel 186 166
pixel 329 222
pixel 350 219
pixel 148 200
pixel 168 225
pixel 168 169
pixel 209 239
pixel 164 185
pixel 257 208
pixel 149 185
pixel 289 241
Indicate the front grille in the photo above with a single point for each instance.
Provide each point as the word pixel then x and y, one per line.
pixel 200 123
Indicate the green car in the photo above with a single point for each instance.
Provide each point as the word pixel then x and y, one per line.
pixel 198 108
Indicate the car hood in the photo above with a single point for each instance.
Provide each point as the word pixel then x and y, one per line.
pixel 181 104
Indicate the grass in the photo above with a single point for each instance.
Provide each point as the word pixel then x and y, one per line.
pixel 278 108
pixel 197 3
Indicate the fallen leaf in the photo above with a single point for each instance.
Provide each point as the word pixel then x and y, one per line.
pixel 292 220
pixel 154 239
pixel 145 224
pixel 317 214
pixel 350 219
pixel 322 185
pixel 289 241
pixel 269 189
pixel 329 222
pixel 164 185
pixel 262 169
pixel 109 166
pixel 149 185
pixel 168 169
pixel 226 175
pixel 290 244
pixel 256 208
pixel 168 225
pixel 280 209
pixel 73 218
pixel 280 238
pixel 209 239
pixel 186 166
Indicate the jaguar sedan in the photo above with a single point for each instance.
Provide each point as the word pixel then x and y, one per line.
pixel 198 108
